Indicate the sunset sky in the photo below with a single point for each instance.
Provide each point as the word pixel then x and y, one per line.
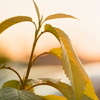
pixel 84 34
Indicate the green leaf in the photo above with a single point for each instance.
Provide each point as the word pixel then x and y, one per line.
pixel 72 66
pixel 59 15
pixel 12 83
pixel 13 20
pixel 13 94
pixel 53 97
pixel 37 10
pixel 65 89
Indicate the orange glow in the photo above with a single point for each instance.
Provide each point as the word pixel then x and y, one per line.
pixel 85 34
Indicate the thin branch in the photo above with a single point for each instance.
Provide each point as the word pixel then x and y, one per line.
pixel 31 56
pixel 34 25
pixel 37 85
pixel 15 72
pixel 44 54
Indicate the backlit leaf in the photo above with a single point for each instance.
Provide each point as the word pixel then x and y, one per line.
pixel 65 89
pixel 37 10
pixel 9 93
pixel 49 28
pixel 11 21
pixel 59 15
pixel 53 97
pixel 72 66
pixel 89 91
pixel 57 52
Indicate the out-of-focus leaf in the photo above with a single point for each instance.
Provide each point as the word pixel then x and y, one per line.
pixel 37 10
pixel 65 89
pixel 2 66
pixel 59 15
pixel 9 93
pixel 71 64
pixel 12 83
pixel 53 97
pixel 13 20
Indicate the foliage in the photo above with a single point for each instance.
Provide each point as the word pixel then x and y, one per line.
pixel 81 87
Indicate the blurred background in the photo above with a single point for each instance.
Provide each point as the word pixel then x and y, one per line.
pixel 16 41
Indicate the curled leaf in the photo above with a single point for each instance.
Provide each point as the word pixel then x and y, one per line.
pixel 65 89
pixel 13 20
pixel 72 66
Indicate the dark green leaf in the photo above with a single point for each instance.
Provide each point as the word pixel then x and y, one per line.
pixel 13 94
pixel 13 20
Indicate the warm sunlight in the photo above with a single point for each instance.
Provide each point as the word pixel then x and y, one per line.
pixel 84 33
pixel 30 47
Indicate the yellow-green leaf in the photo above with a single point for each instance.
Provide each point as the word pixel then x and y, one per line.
pixel 49 28
pixel 12 83
pixel 13 20
pixel 72 66
pixel 59 15
pixel 53 97
pixel 57 52
pixel 89 88
pixel 89 91
pixel 65 89
pixel 37 10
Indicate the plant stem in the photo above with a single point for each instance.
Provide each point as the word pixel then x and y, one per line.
pixel 31 57
pixel 16 73
pixel 29 64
